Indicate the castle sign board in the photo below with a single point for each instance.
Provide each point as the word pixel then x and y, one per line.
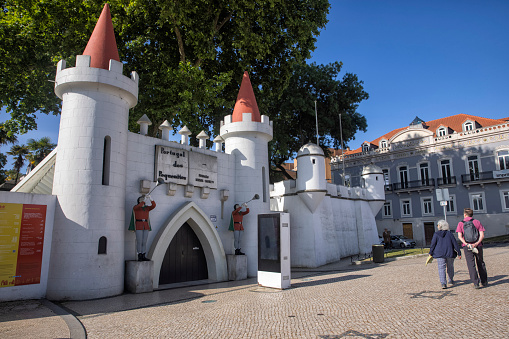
pixel 183 167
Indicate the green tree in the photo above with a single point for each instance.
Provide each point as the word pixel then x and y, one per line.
pixel 190 54
pixel 5 139
pixel 294 115
pixel 3 162
pixel 39 149
pixel 19 152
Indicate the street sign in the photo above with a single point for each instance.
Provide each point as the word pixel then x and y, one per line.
pixel 443 203
pixel 442 194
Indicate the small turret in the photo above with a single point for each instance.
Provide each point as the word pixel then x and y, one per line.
pixel 311 183
pixel 372 181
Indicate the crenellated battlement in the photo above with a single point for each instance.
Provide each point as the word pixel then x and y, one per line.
pixel 236 128
pixel 104 80
pixel 83 61
pixel 246 117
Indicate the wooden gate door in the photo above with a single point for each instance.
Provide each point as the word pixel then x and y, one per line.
pixel 184 259
pixel 429 229
pixel 408 231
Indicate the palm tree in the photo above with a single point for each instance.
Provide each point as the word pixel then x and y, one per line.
pixel 5 138
pixel 39 150
pixel 19 152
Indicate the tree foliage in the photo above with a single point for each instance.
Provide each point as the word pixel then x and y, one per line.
pixel 39 149
pixel 190 54
pixel 294 115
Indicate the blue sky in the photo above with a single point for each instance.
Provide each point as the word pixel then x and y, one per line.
pixel 417 58
pixel 421 58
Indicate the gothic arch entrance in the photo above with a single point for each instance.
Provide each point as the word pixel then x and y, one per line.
pixel 206 234
pixel 184 259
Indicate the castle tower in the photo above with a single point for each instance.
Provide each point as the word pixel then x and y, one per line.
pixel 247 134
pixel 373 181
pixel 87 259
pixel 311 182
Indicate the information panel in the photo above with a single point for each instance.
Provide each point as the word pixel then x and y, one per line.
pixel 21 243
pixel 183 167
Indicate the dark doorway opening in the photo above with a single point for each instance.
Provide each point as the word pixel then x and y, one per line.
pixel 184 259
pixel 429 229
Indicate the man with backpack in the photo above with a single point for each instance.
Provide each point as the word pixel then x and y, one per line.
pixel 471 234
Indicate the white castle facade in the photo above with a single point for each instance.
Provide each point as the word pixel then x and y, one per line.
pixel 90 183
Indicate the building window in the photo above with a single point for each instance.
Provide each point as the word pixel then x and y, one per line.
pixel 387 211
pixel 365 148
pixel 451 205
pixel 264 185
pixel 383 144
pixel 406 208
pixel 385 172
pixel 427 206
pixel 504 195
pixel 473 167
pixel 503 159
pixel 424 173
pixel 477 203
pixel 445 169
pixel 442 131
pixel 106 160
pixel 102 245
pixel 468 126
pixel 403 176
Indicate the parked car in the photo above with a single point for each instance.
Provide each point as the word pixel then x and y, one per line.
pixel 402 241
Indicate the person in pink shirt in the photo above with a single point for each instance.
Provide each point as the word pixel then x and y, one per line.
pixel 473 251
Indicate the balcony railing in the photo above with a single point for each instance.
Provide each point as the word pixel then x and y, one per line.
pixel 477 176
pixel 446 181
pixel 414 185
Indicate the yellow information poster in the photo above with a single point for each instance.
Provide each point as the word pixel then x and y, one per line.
pixel 21 243
pixel 10 225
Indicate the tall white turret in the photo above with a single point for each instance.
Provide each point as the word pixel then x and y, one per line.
pixel 87 259
pixel 247 134
pixel 311 182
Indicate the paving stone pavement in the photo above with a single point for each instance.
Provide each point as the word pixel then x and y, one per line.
pixel 395 299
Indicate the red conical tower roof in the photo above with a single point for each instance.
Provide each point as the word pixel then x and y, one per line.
pixel 246 102
pixel 102 45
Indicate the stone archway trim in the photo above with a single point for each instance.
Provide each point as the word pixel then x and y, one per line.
pixel 206 232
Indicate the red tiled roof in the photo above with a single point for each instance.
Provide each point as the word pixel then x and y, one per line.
pixel 102 45
pixel 454 122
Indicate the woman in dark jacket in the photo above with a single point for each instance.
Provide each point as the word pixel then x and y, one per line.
pixel 444 248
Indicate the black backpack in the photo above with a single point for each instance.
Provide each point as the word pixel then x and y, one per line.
pixel 470 232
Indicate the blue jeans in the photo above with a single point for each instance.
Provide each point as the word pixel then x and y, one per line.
pixel 236 239
pixel 443 264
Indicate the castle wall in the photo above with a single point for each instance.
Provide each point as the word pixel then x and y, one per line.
pixel 140 166
pixel 342 225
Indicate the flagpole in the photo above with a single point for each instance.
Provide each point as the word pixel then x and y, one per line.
pixel 342 148
pixel 316 117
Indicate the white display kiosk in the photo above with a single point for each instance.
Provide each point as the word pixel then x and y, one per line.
pixel 274 250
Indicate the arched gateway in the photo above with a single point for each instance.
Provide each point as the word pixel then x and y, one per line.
pixel 200 224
